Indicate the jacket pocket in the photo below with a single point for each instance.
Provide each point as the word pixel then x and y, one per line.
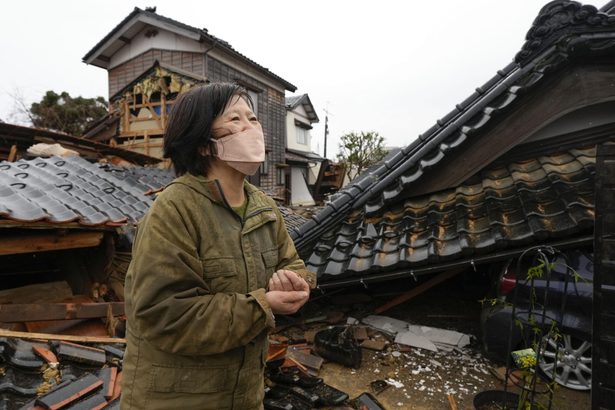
pixel 218 268
pixel 165 379
pixel 270 259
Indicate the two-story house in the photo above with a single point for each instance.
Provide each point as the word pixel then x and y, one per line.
pixel 150 59
pixel 303 163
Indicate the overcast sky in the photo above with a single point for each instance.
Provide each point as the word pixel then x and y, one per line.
pixel 389 66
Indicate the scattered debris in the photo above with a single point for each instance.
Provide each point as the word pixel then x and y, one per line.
pixel 374 344
pixel 338 344
pixel 423 337
pixel 368 402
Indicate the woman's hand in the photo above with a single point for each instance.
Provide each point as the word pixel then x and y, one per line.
pixel 286 302
pixel 287 280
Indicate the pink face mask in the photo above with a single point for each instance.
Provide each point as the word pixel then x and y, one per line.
pixel 243 151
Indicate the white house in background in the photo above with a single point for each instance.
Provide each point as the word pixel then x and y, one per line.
pixel 303 163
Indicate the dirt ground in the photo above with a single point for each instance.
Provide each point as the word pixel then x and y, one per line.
pixel 420 379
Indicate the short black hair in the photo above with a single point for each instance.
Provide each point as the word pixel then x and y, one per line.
pixel 189 125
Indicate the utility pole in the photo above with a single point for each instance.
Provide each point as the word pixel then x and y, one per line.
pixel 326 110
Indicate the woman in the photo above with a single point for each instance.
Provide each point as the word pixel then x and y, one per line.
pixel 212 263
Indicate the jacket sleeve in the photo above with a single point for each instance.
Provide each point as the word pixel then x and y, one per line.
pixel 288 257
pixel 171 303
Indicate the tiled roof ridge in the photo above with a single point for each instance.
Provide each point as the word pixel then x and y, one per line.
pixel 559 19
pixel 202 32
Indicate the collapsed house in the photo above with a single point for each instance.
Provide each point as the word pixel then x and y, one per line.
pixel 511 167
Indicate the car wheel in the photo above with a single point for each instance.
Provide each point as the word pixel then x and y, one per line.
pixel 573 365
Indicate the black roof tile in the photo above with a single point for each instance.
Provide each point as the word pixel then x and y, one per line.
pixel 514 205
pixel 62 190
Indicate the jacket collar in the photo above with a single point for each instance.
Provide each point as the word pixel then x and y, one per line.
pixel 212 190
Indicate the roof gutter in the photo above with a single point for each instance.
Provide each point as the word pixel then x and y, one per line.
pixel 470 262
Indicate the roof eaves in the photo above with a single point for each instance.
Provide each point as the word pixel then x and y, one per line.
pixel 190 31
pixel 89 56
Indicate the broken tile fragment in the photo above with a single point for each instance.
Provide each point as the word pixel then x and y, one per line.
pixel 81 354
pixel 410 339
pixel 114 351
pixel 377 345
pixel 360 333
pixel 45 354
pixel 386 324
pixel 95 402
pixel 69 391
pixel 108 375
pixel 117 388
pixel 306 359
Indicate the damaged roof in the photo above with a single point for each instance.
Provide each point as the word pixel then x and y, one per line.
pixel 27 136
pixel 377 209
pixel 546 198
pixel 100 54
pixel 72 190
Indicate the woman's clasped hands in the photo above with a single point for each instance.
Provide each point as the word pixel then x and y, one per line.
pixel 287 292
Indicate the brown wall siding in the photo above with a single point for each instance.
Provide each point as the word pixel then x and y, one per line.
pixel 123 74
pixel 271 113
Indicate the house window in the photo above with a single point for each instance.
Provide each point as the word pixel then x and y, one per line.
pixel 281 176
pixel 302 135
pixel 254 96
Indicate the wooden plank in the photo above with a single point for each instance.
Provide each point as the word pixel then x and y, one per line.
pixel 10 245
pixel 58 311
pixel 68 338
pixel 12 153
pixel 39 293
pixel 412 293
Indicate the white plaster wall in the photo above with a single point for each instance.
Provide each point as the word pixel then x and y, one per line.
pixel 313 173
pixel 291 133
pixel 164 40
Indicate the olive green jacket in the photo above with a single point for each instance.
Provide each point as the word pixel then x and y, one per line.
pixel 197 317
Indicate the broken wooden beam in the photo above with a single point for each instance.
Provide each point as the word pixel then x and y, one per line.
pixel 10 313
pixel 10 245
pixel 414 292
pixel 69 338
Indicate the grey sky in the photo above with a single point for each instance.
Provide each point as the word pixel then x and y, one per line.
pixel 388 66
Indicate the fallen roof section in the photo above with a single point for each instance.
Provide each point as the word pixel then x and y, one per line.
pixel 26 136
pixel 546 199
pixel 563 31
pixel 72 190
